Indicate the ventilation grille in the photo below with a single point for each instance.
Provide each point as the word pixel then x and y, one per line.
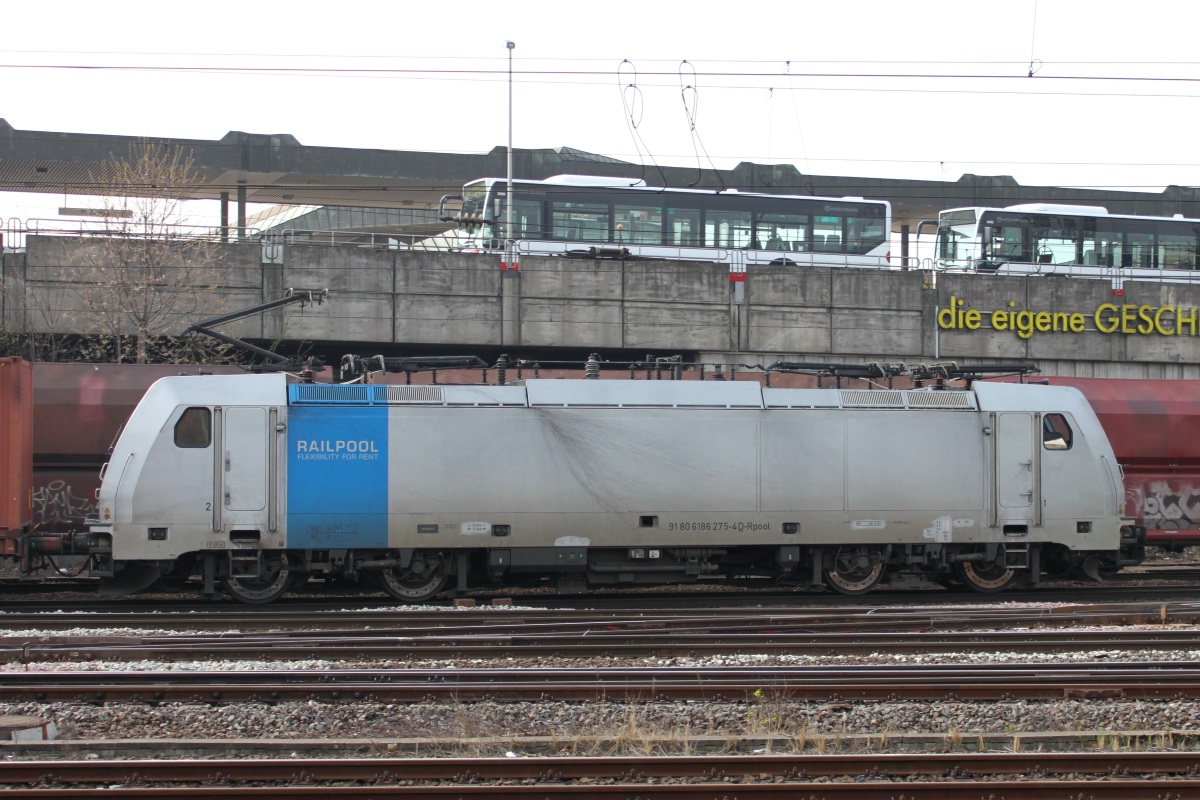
pixel 895 398
pixel 410 394
pixel 887 398
pixel 321 393
pixel 941 400
pixel 362 395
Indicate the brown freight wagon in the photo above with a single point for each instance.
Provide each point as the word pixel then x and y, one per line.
pixel 16 452
pixel 78 411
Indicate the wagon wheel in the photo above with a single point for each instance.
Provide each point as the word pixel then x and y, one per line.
pixel 854 571
pixel 985 577
pixel 268 588
pixel 422 580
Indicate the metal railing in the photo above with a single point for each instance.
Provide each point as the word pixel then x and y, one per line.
pixel 16 231
pixel 1084 271
pixel 740 258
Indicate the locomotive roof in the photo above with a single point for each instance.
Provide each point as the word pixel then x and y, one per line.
pixel 568 393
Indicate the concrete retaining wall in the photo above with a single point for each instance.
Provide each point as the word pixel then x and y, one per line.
pixel 380 298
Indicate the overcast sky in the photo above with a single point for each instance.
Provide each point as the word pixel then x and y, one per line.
pixel 927 90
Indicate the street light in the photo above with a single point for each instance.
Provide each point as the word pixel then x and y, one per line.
pixel 509 245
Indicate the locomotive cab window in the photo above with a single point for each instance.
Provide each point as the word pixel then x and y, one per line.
pixel 1056 432
pixel 194 428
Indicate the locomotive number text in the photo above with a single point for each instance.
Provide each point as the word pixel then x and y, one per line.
pixel 736 527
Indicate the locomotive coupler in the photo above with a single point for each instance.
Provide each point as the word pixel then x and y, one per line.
pixel 74 543
pixel 1133 545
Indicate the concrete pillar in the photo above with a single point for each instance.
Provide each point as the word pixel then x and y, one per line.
pixel 241 210
pixel 510 307
pixel 224 216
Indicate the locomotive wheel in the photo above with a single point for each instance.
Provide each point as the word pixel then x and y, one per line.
pixel 854 572
pixel 985 578
pixel 298 580
pixel 424 578
pixel 259 591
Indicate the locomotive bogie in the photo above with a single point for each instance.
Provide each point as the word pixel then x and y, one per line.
pixel 254 485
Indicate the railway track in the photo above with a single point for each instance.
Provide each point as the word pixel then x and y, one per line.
pixel 506 619
pixel 712 777
pixel 1165 580
pixel 944 683
pixel 406 636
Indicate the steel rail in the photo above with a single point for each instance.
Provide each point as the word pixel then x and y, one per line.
pixel 957 615
pixel 1155 788
pixel 561 769
pixel 600 641
pixel 1161 583
pixel 959 684
pixel 1121 789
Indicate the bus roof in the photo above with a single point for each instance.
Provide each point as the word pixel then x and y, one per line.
pixel 593 181
pixel 1065 210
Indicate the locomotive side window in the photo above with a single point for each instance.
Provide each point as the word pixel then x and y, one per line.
pixel 1056 432
pixel 194 428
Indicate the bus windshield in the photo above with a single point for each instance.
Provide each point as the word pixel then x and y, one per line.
pixel 474 197
pixel 954 228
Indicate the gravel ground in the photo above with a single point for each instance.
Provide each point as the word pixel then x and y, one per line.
pixel 620 721
pixel 623 721
pixel 634 724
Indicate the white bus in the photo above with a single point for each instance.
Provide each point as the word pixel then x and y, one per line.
pixel 1080 241
pixel 571 215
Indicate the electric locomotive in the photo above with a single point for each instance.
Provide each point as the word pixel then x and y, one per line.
pixel 251 484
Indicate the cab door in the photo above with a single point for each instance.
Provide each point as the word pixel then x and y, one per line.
pixel 244 471
pixel 1015 467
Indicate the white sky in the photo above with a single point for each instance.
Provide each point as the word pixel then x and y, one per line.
pixel 433 76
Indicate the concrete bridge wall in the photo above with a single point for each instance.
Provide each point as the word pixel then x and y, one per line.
pixel 380 298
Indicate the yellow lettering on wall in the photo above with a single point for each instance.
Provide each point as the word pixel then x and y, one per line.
pixel 1145 320
pixel 1024 324
pixel 1106 321
pixel 1128 315
pixel 1186 316
pixel 1158 321
pixel 1128 318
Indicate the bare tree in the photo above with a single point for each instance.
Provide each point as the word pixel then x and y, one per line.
pixel 148 271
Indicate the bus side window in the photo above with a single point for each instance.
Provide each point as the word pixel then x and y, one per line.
pixel 827 234
pixel 194 428
pixel 1056 432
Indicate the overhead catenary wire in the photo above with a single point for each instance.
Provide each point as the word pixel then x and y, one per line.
pixel 391 56
pixel 500 74
pixel 787 69
pixel 634 104
pixel 1035 64
pixel 691 92
pixel 725 78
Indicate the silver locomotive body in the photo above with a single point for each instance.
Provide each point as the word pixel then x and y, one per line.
pixel 253 484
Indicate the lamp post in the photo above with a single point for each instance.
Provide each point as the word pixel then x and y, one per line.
pixel 510 249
